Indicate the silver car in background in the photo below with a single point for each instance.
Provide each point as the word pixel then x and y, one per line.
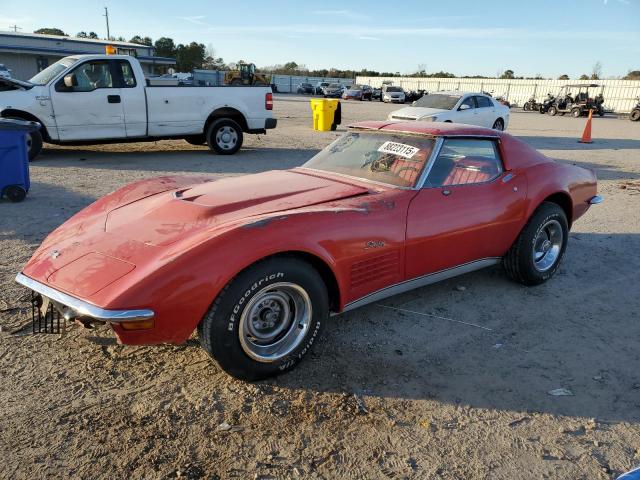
pixel 393 94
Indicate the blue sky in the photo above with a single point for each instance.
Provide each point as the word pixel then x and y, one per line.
pixel 464 37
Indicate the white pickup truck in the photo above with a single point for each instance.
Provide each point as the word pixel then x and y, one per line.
pixel 90 99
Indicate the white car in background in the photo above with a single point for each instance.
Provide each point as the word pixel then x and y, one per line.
pixel 393 94
pixel 458 107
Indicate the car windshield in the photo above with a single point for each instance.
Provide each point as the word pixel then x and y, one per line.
pixel 394 89
pixel 334 85
pixel 443 102
pixel 52 71
pixel 391 158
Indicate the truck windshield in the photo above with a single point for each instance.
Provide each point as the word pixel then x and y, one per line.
pixel 394 159
pixel 52 71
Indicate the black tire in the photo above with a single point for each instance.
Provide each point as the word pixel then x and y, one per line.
pixel 601 112
pixel 236 82
pixel 220 330
pixel 216 142
pixel 635 115
pixel 519 261
pixel 15 193
pixel 259 84
pixel 552 111
pixel 526 107
pixel 576 112
pixel 498 124
pixel 34 144
pixel 195 140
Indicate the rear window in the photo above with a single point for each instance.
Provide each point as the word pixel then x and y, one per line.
pixel 483 102
pixel 394 89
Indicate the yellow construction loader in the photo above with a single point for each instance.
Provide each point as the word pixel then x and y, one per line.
pixel 245 74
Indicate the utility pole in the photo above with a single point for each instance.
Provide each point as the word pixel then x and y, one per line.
pixel 106 16
pixel 15 28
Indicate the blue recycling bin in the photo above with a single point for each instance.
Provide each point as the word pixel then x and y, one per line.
pixel 14 158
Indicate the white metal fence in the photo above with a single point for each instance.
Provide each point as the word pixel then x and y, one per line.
pixel 619 95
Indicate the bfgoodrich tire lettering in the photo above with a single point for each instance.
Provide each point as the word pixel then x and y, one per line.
pixel 520 261
pixel 223 331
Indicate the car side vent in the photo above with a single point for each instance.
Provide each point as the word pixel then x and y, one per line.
pixel 375 269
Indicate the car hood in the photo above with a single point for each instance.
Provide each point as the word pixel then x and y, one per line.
pixel 167 217
pixel 413 113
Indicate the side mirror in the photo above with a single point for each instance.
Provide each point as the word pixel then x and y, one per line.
pixel 464 106
pixel 70 81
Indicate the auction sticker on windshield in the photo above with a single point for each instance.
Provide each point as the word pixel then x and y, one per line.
pixel 400 149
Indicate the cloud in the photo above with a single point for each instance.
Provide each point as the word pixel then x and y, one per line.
pixel 195 19
pixel 357 31
pixel 347 14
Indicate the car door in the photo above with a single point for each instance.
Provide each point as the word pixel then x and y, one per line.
pixel 133 99
pixel 90 107
pixel 469 210
pixel 486 112
pixel 466 111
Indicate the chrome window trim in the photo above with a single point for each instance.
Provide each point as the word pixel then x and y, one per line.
pixel 421 281
pixel 471 137
pixel 82 308
pixel 432 160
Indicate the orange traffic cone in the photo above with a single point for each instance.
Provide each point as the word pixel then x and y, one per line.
pixel 586 135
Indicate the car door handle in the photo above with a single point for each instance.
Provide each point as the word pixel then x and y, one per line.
pixel 113 98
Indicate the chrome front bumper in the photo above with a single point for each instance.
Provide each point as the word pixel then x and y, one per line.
pixel 72 307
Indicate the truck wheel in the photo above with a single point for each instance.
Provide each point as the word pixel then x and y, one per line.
pixel 536 254
pixel 195 140
pixel 635 115
pixel 266 319
pixel 576 112
pixel 34 142
pixel 15 193
pixel 224 136
pixel 236 82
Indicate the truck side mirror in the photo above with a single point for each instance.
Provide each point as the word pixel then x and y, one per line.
pixel 70 81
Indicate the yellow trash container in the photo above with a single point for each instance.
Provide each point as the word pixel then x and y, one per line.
pixel 326 114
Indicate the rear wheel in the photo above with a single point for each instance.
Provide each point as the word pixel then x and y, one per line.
pixel 635 115
pixel 224 136
pixel 266 319
pixel 536 254
pixel 553 111
pixel 498 124
pixel 15 193
pixel 576 112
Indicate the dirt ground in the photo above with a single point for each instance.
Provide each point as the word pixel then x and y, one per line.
pixel 452 386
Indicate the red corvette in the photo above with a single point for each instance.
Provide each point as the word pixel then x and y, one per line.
pixel 257 263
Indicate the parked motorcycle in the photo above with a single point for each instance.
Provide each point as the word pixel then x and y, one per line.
pixel 531 105
pixel 635 113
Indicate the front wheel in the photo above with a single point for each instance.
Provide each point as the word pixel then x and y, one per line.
pixel 498 124
pixel 266 319
pixel 635 115
pixel 576 112
pixel 552 111
pixel 536 254
pixel 527 107
pixel 224 136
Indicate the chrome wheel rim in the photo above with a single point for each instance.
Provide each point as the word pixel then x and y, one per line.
pixel 547 246
pixel 226 137
pixel 275 322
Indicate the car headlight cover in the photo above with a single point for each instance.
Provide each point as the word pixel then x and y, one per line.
pixel 429 119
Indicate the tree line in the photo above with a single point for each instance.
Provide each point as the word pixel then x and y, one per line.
pixel 196 55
